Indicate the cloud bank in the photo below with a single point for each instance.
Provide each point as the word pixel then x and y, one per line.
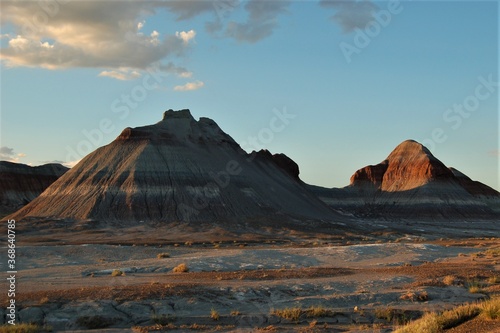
pixel 107 35
pixel 262 16
pixel 116 38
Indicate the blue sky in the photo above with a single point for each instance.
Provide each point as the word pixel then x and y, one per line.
pixel 355 78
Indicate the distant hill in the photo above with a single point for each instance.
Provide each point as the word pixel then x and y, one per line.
pixel 412 183
pixel 179 170
pixel 20 183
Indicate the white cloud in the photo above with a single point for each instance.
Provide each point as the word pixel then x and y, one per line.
pixel 185 74
pixel 190 86
pixel 186 36
pixel 19 42
pixel 87 34
pixel 111 35
pixel 123 74
pixel 351 15
pixel 46 45
pixel 154 38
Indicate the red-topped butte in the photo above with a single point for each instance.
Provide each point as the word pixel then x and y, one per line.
pixel 408 166
pixel 411 183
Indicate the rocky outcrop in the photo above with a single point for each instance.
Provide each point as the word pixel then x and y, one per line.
pixel 179 169
pixel 370 176
pixel 284 162
pixel 287 164
pixel 20 183
pixel 412 183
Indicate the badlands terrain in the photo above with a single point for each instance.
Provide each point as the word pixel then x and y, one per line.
pixel 349 283
pixel 173 227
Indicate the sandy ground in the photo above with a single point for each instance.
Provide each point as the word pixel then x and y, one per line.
pixel 245 282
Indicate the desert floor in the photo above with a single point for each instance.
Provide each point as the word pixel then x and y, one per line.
pixel 370 283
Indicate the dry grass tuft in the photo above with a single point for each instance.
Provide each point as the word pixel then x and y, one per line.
pixel 214 314
pixel 428 323
pixel 288 313
pixel 294 314
pixel 450 280
pixel 181 268
pixel 44 300
pixel 475 287
pixel 458 315
pixel 438 322
pixel 117 272
pixel 493 253
pixel 415 296
pixel 494 280
pixel 491 309
pixel 318 311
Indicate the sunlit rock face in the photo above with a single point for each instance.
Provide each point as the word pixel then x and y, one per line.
pixel 412 183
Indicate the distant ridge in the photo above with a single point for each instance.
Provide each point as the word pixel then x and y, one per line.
pixel 21 183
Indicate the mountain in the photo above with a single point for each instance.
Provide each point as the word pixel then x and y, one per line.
pixel 409 166
pixel 20 183
pixel 412 183
pixel 178 170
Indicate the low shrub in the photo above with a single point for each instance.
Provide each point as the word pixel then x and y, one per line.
pixel 117 272
pixel 288 313
pixel 181 268
pixel 214 314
